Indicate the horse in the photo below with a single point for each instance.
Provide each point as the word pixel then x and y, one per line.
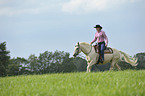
pixel 92 56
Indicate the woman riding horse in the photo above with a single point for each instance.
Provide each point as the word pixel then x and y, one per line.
pixel 102 40
pixel 92 57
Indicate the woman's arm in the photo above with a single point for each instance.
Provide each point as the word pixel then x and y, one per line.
pixel 95 38
pixel 106 38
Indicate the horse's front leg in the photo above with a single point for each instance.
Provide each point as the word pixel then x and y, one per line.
pixel 90 63
pixel 89 68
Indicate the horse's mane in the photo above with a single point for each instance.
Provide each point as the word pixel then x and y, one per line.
pixel 84 43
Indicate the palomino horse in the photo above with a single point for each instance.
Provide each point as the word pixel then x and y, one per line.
pixel 92 56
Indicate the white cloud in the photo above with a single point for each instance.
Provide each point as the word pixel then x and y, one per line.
pixel 16 7
pixel 85 6
pixel 11 11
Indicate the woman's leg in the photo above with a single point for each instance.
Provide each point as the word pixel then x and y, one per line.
pixel 102 50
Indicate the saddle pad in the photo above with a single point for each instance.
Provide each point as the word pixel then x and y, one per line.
pixel 108 50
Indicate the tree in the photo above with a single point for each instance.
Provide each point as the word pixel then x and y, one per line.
pixel 68 65
pixel 141 60
pixel 33 65
pixel 17 66
pixel 4 59
pixel 80 64
pixel 52 62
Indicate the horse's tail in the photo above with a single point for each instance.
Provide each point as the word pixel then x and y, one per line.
pixel 125 57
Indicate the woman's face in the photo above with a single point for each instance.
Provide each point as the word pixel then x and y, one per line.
pixel 98 29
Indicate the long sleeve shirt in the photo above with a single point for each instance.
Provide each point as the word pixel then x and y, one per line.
pixel 100 37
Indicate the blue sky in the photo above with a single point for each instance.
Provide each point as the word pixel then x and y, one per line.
pixel 35 26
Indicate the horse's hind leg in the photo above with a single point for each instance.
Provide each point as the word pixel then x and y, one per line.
pixel 117 66
pixel 112 65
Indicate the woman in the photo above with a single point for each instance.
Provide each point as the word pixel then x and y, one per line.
pixel 102 40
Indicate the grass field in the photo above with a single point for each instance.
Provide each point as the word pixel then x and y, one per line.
pixel 115 83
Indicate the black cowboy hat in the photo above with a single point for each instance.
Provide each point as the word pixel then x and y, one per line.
pixel 98 26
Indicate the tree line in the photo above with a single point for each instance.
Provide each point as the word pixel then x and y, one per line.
pixel 52 62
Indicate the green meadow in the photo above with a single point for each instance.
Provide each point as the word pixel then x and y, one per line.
pixel 114 83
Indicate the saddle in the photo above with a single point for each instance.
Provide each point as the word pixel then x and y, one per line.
pixel 107 50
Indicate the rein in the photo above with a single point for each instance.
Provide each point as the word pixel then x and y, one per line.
pixel 90 50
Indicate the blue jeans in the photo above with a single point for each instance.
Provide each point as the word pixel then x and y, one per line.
pixel 102 48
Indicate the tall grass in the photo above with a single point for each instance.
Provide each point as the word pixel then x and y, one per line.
pixel 115 83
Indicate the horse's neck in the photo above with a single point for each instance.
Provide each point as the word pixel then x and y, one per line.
pixel 85 48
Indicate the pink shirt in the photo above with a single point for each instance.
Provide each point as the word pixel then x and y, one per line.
pixel 100 37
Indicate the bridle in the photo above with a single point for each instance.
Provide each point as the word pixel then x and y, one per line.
pixel 78 47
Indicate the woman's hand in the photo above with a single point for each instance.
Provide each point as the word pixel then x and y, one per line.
pixel 106 45
pixel 91 43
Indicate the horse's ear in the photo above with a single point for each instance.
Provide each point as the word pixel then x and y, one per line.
pixel 78 43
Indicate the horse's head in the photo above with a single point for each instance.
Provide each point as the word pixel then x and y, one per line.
pixel 77 50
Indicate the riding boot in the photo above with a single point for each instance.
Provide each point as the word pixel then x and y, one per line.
pixel 101 59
